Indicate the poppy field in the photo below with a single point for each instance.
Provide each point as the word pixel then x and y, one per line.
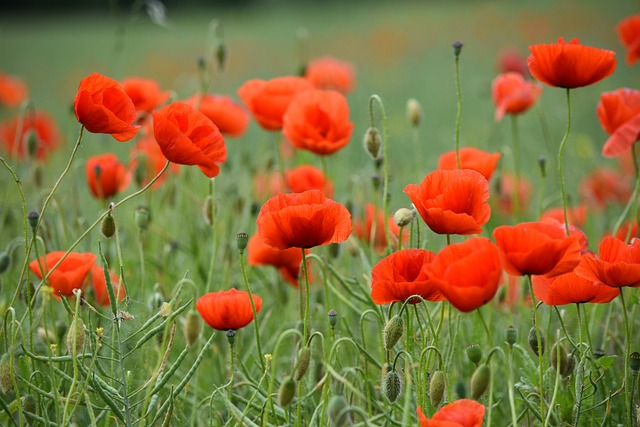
pixel 262 217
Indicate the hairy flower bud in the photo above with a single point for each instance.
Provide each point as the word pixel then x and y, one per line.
pixel 76 337
pixel 192 327
pixel 392 331
pixel 414 112
pixel 403 217
pixel 286 392
pixel 559 358
pixel 33 217
pixel 5 261
pixel 480 381
pixel 6 380
pixel 372 142
pixel 436 388
pixel 336 406
pixel 533 342
pixel 142 217
pixel 392 385
pixel 302 362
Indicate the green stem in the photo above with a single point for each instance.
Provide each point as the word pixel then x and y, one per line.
pixel 212 261
pixel 253 310
pixel 385 163
pixel 74 358
pixel 486 327
pixel 560 152
pixel 633 200
pixel 536 322
pixel 517 162
pixel 232 367
pixel 307 298
pixel 512 400
pixel 627 352
pixel 556 384
pixel 459 112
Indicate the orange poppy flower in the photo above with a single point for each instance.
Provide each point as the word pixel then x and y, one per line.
pixel 331 73
pixel 401 275
pixel 604 186
pixel 570 65
pixel 318 121
pixel 452 201
pixel 188 137
pixel 303 220
pixel 461 413
pixel 38 127
pixel 512 94
pixel 627 231
pixel 467 273
pixel 364 229
pixel 99 286
pixel 505 195
pixel 629 32
pixel 230 117
pixel 145 93
pixel 226 310
pixel 12 91
pixel 307 177
pixel 537 248
pixel 269 100
pixel 617 265
pixel 69 275
pixel 287 261
pixel 577 215
pixel 470 158
pixel 147 160
pixel 106 176
pixel 511 60
pixel 570 288
pixel 619 114
pixel 102 106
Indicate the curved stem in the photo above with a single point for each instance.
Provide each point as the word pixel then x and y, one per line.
pixel 253 310
pixel 560 152
pixel 385 161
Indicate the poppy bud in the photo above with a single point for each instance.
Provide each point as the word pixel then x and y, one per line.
pixel 231 336
pixel 6 381
pixel 207 210
pixel 511 335
pixel 461 389
pixel 436 388
pixel 571 363
pixel 392 385
pixel 559 362
pixel 372 142
pixel 5 261
pixel 76 337
pixel 286 392
pixel 33 217
pixel 403 217
pixel 414 112
pixel 533 342
pixel 333 318
pixel 542 164
pixel 336 406
pixel 108 226
pixel 457 47
pixel 29 405
pixel 474 353
pixel 302 363
pixel 192 327
pixel 142 217
pixel 392 331
pixel 32 142
pixel 242 239
pixel 165 309
pixel 634 362
pixel 480 381
pixel 334 249
pixel 221 53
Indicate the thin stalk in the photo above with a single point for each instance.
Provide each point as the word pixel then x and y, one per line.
pixel 385 163
pixel 212 261
pixel 459 110
pixel 232 366
pixel 512 400
pixel 560 153
pixel 633 200
pixel 556 384
pixel 515 136
pixel 627 352
pixel 307 298
pixel 74 359
pixel 253 310
pixel 536 322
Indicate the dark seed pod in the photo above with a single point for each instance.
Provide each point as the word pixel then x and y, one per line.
pixel 286 392
pixel 533 342
pixel 302 363
pixel 480 381
pixel 108 226
pixel 461 389
pixel 634 361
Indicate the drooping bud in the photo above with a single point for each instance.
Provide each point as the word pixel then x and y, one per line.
pixel 76 337
pixel 5 261
pixel 542 164
pixel 207 210
pixel 221 53
pixel 480 381
pixel 474 353
pixel 33 217
pixel 336 406
pixel 392 331
pixel 436 388
pixel 559 361
pixel 634 362
pixel 286 392
pixel 403 217
pixel 108 226
pixel 192 327
pixel 511 335
pixel 143 217
pixel 414 112
pixel 372 142
pixel 6 380
pixel 461 389
pixel 242 239
pixel 165 309
pixel 533 342
pixel 392 385
pixel 32 142
pixel 333 318
pixel 302 362
pixel 29 405
pixel 457 47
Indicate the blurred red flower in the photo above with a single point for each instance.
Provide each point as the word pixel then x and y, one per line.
pixel 512 94
pixel 267 184
pixel 452 201
pixel 603 186
pixel 268 100
pixel 470 158
pixel 102 106
pixel 99 286
pixel 303 220
pixel 307 177
pixel 287 261
pixel 467 273
pixel 230 117
pixel 506 193
pixel 106 176
pixel 570 65
pixel 619 114
pixel 627 231
pixel 226 310
pixel 145 93
pixel 69 275
pixel 12 91
pixel 461 413
pixel 39 133
pixel 401 275
pixel 364 229
pixel 537 248
pixel 331 73
pixel 511 60
pixel 629 32
pixel 617 265
pixel 318 121
pixel 188 137
pixel 577 215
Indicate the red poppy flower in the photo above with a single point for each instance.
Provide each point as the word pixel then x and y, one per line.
pixel 287 261
pixel 106 176
pixel 401 275
pixel 512 94
pixel 226 310
pixel 470 158
pixel 230 117
pixel 512 61
pixel 617 265
pixel 364 230
pixel 461 413
pixel 102 106
pixel 69 275
pixel 268 100
pixel 570 288
pixel 537 248
pixel 38 128
pixel 303 220
pixel 145 93
pixel 331 73
pixel 188 137
pixel 619 114
pixel 467 273
pixel 318 121
pixel 99 286
pixel 629 32
pixel 506 191
pixel 577 215
pixel 452 201
pixel 604 186
pixel 570 65
pixel 12 91
pixel 307 177
pixel 147 161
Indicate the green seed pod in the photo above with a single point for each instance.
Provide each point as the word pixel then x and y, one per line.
pixel 333 318
pixel 392 332
pixel 474 353
pixel 403 217
pixel 634 361
pixel 511 335
pixel 76 335
pixel 392 385
pixel 533 342
pixel 286 392
pixel 302 363
pixel 336 405
pixel 142 217
pixel 192 327
pixel 480 381
pixel 6 381
pixel 5 261
pixel 436 388
pixel 242 239
pixel 372 142
pixel 559 362
pixel 108 226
